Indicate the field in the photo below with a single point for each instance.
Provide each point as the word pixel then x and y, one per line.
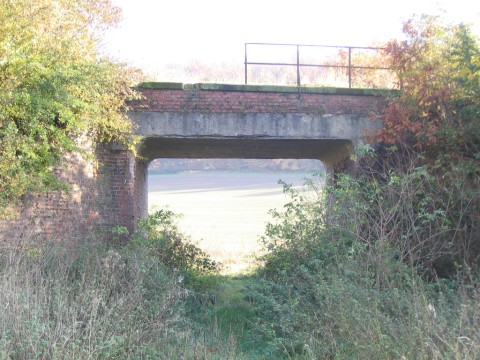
pixel 225 211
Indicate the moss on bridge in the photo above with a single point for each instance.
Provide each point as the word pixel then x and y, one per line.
pixel 265 88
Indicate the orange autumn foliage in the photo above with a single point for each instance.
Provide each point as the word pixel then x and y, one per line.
pixel 438 105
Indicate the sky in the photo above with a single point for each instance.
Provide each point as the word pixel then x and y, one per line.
pixel 156 33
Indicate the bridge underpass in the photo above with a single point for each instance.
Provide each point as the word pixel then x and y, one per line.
pixel 328 151
pixel 225 203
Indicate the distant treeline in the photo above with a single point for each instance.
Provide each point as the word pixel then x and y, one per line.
pixel 177 165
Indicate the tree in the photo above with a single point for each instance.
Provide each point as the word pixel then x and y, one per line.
pixel 435 120
pixel 55 87
pixel 439 106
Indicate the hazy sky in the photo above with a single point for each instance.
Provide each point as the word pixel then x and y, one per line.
pixel 154 33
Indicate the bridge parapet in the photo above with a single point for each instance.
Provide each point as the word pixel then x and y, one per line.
pixel 223 98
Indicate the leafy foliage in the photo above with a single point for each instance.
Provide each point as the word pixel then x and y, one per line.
pixel 54 88
pixel 436 120
pixel 386 265
pixel 344 283
pixel 159 234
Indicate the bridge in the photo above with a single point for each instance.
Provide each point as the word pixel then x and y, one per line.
pixel 200 121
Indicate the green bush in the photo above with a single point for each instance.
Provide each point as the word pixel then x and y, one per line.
pixel 343 275
pixel 159 234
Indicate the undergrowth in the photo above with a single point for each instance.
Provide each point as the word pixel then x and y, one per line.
pixel 104 302
pixel 348 273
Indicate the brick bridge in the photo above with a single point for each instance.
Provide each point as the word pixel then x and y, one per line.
pixel 199 121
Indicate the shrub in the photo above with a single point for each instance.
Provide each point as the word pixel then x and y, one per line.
pixel 343 274
pixel 159 234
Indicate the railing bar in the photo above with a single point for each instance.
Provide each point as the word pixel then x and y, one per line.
pixel 316 65
pixel 298 65
pixel 325 46
pixel 345 67
pixel 282 64
pixel 371 68
pixel 349 67
pixel 310 65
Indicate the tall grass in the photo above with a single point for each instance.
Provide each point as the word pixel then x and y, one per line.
pixel 99 303
pixel 102 304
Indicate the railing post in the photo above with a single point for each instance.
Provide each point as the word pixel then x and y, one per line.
pixel 298 65
pixel 349 67
pixel 246 64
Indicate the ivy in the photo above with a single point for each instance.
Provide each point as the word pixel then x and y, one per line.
pixel 54 88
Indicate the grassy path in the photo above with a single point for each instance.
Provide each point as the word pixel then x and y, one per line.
pixel 232 311
pixel 225 315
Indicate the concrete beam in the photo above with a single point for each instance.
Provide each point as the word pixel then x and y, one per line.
pixel 244 125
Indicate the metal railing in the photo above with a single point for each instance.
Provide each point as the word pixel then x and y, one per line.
pixel 298 64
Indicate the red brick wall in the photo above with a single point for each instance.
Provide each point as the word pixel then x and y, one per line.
pixel 102 195
pixel 218 101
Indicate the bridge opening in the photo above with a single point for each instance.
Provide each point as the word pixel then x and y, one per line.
pixel 225 203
